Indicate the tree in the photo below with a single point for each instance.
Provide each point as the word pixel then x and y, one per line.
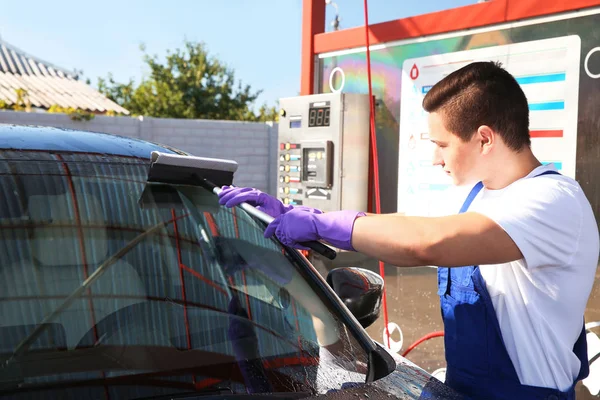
pixel 190 84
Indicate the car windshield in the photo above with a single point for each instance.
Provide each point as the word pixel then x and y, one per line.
pixel 115 288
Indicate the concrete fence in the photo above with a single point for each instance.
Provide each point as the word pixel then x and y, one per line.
pixel 253 145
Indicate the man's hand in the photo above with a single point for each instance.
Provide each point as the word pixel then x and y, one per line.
pixel 234 196
pixel 298 226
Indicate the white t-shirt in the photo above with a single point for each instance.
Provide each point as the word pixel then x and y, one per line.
pixel 540 300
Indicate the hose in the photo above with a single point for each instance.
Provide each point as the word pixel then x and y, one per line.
pixel 421 340
pixel 375 165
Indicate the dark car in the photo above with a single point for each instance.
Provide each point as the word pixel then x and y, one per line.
pixel 112 287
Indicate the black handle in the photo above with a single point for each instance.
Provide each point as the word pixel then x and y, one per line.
pixel 321 249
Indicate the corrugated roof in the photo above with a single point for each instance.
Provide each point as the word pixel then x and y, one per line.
pixel 47 84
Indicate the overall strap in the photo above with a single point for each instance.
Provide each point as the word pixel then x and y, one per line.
pixel 549 173
pixel 444 274
pixel 476 189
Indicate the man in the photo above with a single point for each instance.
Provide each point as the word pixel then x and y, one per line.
pixel 518 261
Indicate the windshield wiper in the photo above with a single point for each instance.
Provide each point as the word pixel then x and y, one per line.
pixel 24 345
pixel 202 392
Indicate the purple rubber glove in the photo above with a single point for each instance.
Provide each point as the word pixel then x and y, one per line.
pixel 233 196
pixel 297 226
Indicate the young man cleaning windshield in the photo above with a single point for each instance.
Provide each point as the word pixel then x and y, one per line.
pixel 516 262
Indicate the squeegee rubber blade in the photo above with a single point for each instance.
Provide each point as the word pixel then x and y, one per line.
pixel 188 176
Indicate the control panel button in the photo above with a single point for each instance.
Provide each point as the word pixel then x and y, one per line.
pixel 287 200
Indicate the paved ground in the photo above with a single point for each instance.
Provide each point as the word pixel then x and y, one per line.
pixel 413 304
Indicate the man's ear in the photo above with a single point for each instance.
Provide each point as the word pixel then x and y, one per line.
pixel 486 137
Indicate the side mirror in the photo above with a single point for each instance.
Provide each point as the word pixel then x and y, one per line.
pixel 361 291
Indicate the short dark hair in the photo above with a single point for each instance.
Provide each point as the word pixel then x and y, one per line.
pixel 482 93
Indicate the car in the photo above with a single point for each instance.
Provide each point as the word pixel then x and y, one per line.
pixel 116 287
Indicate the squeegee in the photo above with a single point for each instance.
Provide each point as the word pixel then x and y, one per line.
pixel 212 174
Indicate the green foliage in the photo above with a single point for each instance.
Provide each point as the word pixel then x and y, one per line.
pixel 76 114
pixel 267 114
pixel 189 84
pixel 22 102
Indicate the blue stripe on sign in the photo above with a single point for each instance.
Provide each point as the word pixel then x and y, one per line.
pixel 550 105
pixel 525 80
pixel 438 187
pixel 425 89
pixel 557 164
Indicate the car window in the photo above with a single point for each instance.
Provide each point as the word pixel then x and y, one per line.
pixel 179 294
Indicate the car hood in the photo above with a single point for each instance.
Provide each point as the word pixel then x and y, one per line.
pixel 407 381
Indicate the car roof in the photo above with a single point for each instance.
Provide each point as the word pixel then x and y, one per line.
pixel 43 138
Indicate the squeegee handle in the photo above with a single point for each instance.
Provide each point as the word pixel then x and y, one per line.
pixel 315 245
pixel 266 218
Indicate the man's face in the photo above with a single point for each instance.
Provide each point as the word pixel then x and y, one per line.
pixel 458 159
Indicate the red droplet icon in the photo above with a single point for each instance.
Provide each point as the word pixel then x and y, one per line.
pixel 414 72
pixel 412 142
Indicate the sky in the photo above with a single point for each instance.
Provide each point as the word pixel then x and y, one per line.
pixel 259 39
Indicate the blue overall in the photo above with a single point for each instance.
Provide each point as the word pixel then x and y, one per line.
pixel 478 364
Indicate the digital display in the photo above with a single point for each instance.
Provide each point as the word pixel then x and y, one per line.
pixel 295 123
pixel 318 116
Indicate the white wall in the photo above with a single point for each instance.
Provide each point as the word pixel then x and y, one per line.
pixel 253 145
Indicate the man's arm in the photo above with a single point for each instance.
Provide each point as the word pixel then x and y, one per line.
pixel 456 240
